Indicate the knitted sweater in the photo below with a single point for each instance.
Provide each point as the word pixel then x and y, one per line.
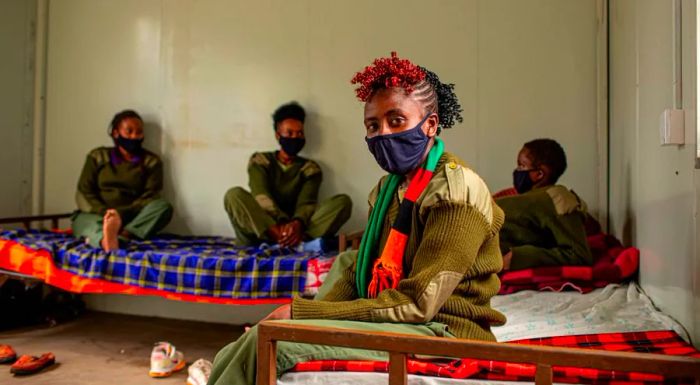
pixel 285 191
pixel 450 264
pixel 545 227
pixel 108 181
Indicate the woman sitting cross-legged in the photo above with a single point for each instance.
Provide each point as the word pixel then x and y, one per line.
pixel 119 189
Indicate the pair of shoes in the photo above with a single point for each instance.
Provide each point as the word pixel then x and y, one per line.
pixel 7 354
pixel 199 372
pixel 29 364
pixel 165 360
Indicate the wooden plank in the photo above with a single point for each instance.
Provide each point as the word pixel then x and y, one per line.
pixel 267 359
pixel 543 375
pixel 342 242
pixel 668 366
pixel 398 372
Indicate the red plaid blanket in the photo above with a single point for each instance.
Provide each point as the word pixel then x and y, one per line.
pixel 612 263
pixel 660 342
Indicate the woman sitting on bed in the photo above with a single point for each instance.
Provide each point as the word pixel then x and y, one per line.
pixel 428 261
pixel 545 222
pixel 119 187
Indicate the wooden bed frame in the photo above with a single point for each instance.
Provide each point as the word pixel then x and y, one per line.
pixel 400 345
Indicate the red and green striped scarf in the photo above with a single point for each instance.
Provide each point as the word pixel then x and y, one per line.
pixel 388 268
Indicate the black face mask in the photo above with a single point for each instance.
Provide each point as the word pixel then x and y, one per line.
pixel 292 146
pixel 132 146
pixel 522 181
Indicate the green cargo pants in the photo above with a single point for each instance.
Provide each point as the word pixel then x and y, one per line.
pixel 236 363
pixel 147 222
pixel 250 221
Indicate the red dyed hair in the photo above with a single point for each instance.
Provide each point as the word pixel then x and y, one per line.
pixel 387 72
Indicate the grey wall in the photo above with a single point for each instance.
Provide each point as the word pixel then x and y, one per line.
pixel 654 189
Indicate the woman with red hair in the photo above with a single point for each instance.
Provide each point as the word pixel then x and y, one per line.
pixel 429 256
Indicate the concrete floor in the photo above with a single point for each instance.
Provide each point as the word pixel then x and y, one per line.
pixel 103 348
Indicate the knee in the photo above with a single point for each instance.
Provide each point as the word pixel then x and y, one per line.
pixel 234 195
pixel 345 205
pixel 161 205
pixel 344 201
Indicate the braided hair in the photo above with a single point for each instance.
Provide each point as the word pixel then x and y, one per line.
pixel 422 84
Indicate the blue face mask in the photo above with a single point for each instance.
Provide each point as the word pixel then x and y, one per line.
pixel 402 152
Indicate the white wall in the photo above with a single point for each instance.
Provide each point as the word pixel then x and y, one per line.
pixel 654 190
pixel 208 74
pixel 16 17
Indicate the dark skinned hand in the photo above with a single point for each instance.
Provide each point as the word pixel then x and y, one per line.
pixel 275 232
pixel 292 233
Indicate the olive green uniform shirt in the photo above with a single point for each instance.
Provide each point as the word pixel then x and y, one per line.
pixel 450 263
pixel 285 191
pixel 110 181
pixel 545 227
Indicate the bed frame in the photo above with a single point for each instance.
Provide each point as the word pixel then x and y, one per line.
pixel 399 346
pixel 27 224
pixel 27 221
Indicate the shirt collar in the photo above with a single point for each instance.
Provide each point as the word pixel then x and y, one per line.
pixel 116 158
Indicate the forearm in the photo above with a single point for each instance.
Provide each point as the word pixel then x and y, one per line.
pixel 431 281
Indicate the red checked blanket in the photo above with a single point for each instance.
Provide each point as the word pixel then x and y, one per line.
pixel 660 342
pixel 612 263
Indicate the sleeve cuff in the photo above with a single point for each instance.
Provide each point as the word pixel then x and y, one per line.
pixel 310 309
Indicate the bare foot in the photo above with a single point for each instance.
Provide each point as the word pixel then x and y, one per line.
pixel 111 223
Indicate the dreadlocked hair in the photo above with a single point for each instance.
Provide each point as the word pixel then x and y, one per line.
pixel 422 84
pixel 387 72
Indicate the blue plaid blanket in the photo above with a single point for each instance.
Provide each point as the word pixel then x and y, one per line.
pixel 208 266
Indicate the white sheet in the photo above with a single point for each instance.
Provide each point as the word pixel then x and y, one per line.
pixel 615 308
pixel 533 314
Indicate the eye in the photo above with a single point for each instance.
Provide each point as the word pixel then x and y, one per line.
pixel 396 121
pixel 372 126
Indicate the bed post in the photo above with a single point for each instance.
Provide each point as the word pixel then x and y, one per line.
pixel 267 358
pixel 342 242
pixel 397 369
pixel 543 374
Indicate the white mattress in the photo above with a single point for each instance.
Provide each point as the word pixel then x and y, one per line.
pixel 531 314
pixel 612 309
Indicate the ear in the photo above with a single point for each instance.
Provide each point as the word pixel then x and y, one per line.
pixel 543 172
pixel 431 125
pixel 115 133
pixel 277 135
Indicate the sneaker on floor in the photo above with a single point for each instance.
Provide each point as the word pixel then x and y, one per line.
pixel 7 354
pixel 165 360
pixel 199 372
pixel 30 364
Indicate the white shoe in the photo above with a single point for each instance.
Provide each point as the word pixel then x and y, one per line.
pixel 199 372
pixel 165 360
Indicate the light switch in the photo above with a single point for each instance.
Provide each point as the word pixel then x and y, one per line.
pixel 672 127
